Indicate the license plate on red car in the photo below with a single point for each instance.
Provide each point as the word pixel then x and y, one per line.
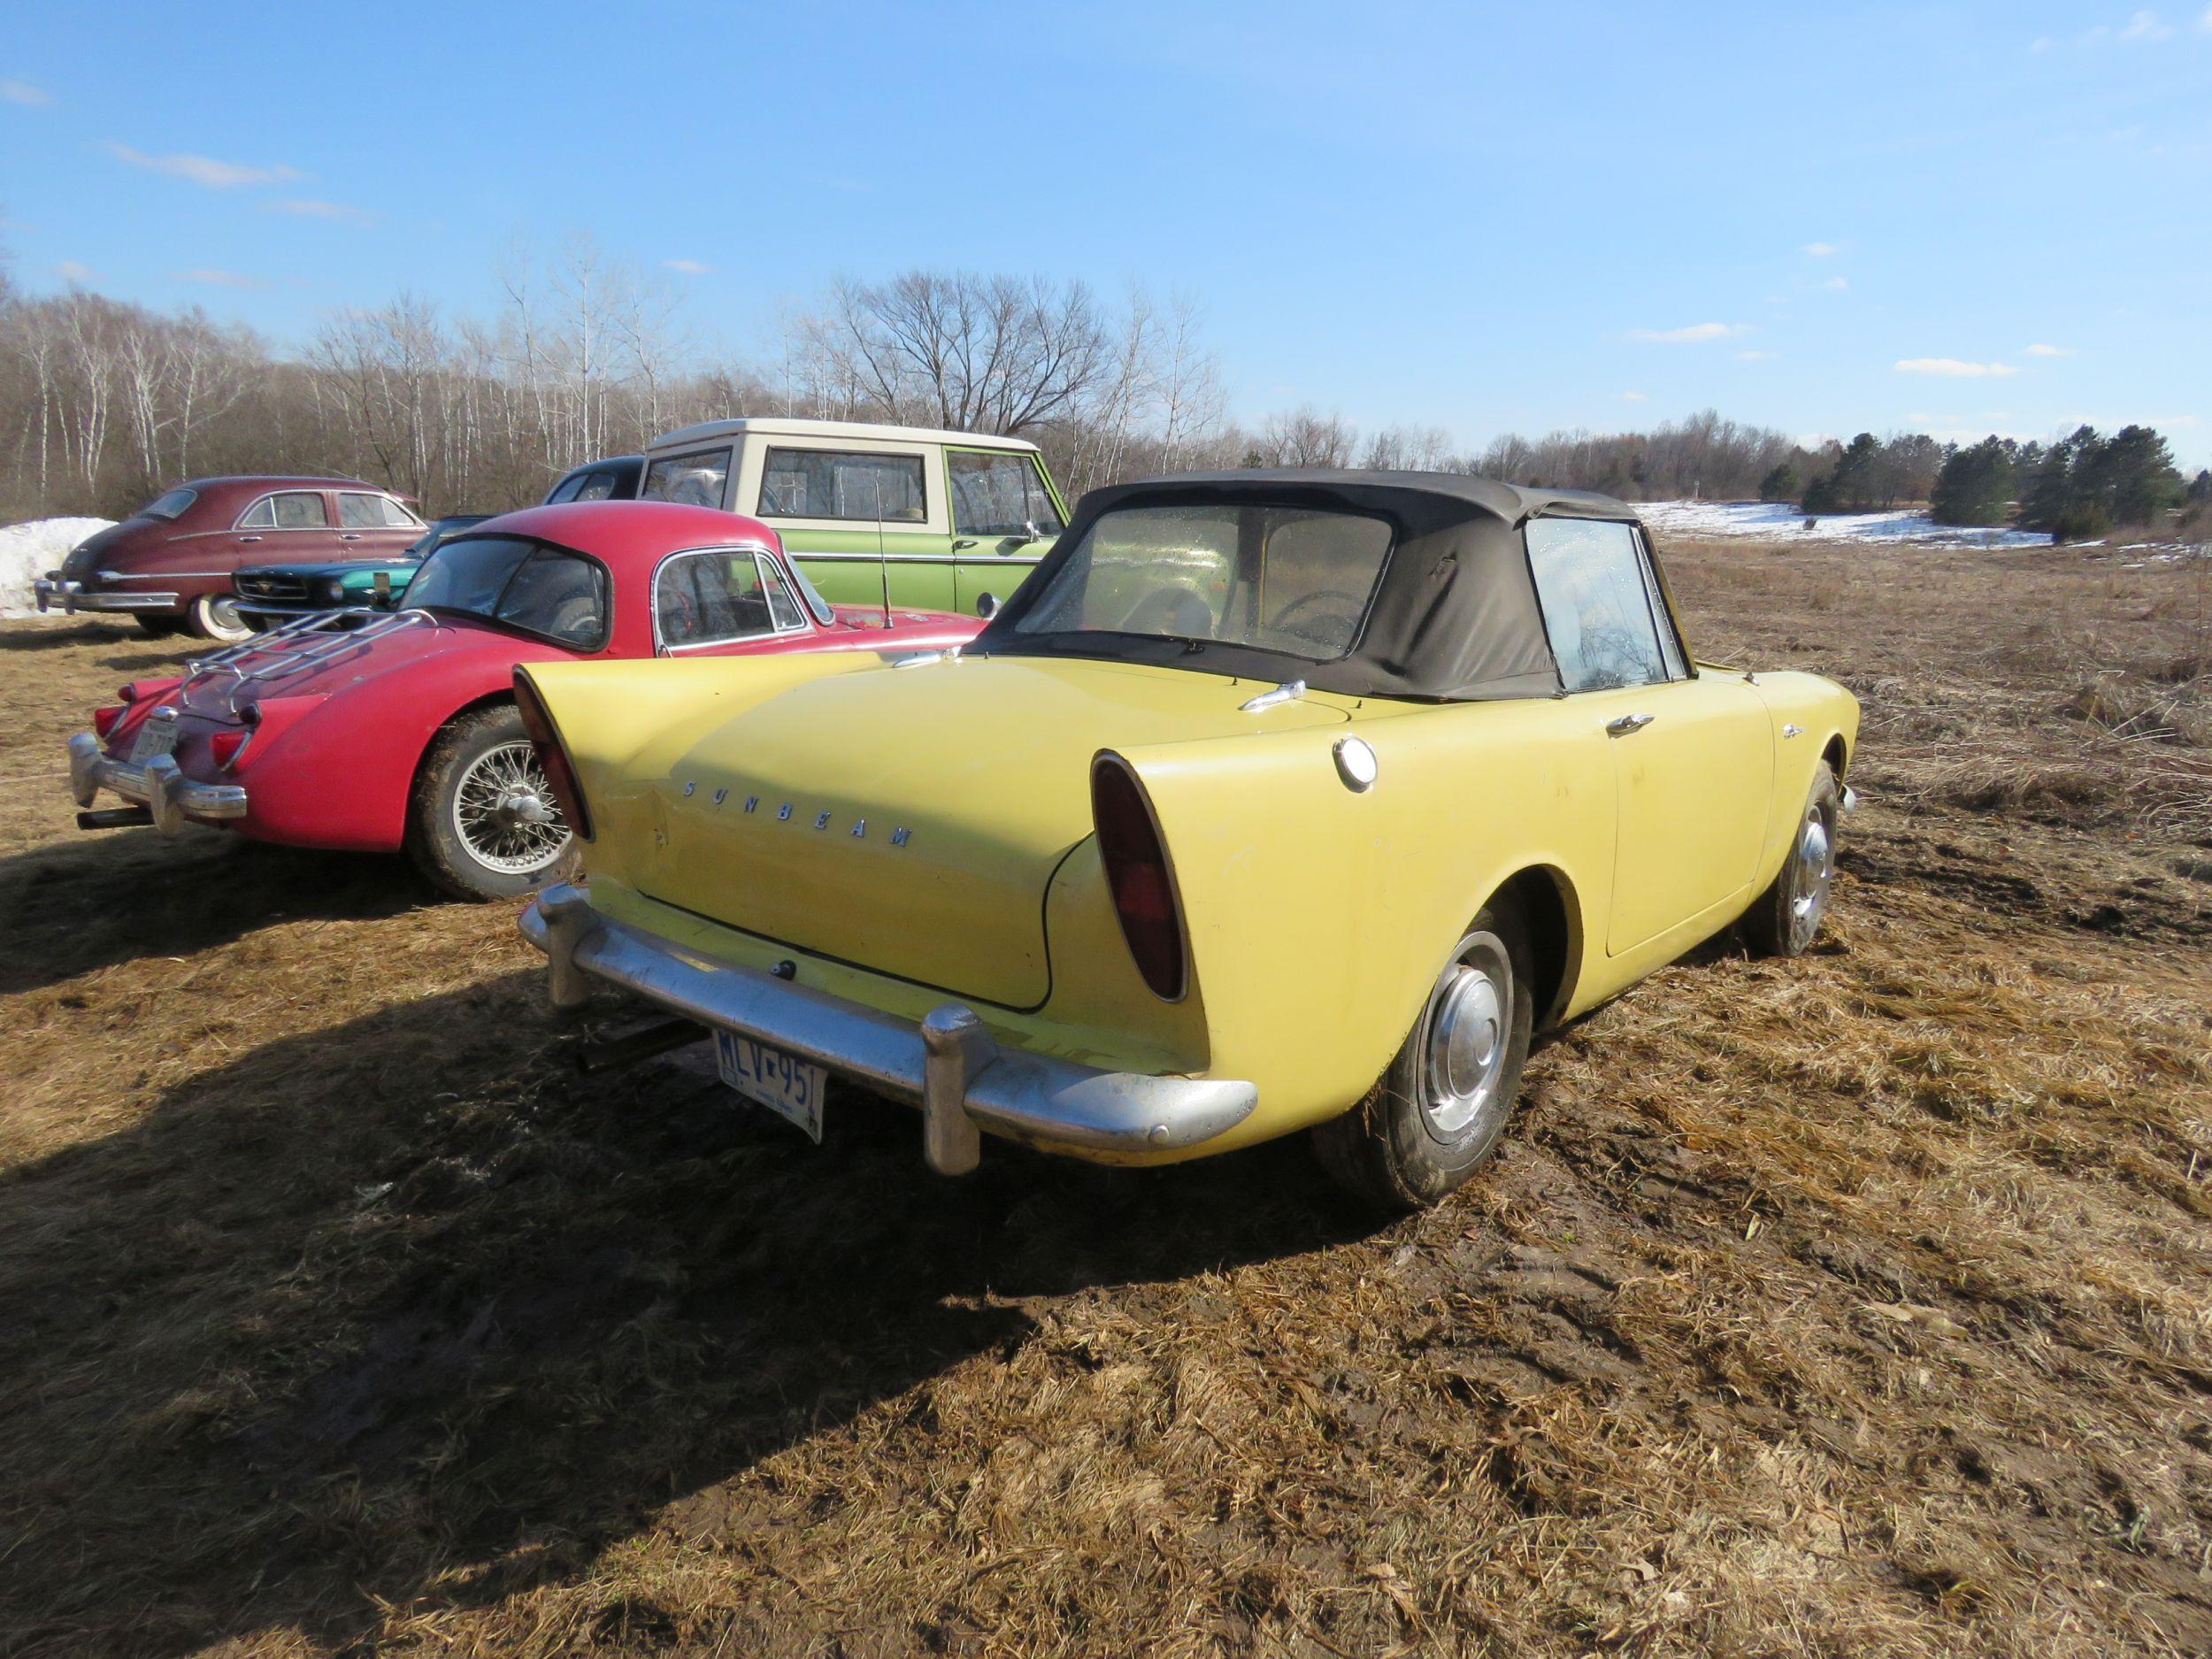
pixel 786 1085
pixel 158 736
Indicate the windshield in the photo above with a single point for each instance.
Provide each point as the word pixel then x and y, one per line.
pixel 533 586
pixel 815 603
pixel 169 503
pixel 1273 579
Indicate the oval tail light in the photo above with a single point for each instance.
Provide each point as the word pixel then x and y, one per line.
pixel 545 737
pixel 103 719
pixel 1137 872
pixel 226 747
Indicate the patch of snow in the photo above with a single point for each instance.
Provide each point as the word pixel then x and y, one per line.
pixel 1777 521
pixel 27 551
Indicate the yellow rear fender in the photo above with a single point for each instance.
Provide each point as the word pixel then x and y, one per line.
pixel 1815 719
pixel 1319 916
pixel 626 724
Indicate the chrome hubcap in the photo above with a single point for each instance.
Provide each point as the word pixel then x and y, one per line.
pixel 1815 871
pixel 1470 1025
pixel 504 812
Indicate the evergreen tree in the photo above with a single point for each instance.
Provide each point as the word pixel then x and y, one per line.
pixel 1781 484
pixel 1820 495
pixel 1854 483
pixel 1975 485
pixel 2133 480
pixel 2200 487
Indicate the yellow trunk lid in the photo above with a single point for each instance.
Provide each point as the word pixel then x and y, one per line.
pixel 909 819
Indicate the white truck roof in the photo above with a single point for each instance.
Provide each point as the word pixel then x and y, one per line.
pixel 860 431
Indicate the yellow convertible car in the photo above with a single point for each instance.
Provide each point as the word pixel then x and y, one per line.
pixel 1273 801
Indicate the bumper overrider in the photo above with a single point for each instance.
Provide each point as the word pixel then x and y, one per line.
pixel 59 593
pixel 948 1063
pixel 158 784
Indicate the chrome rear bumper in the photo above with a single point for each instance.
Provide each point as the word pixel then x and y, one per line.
pixel 948 1064
pixel 53 591
pixel 166 792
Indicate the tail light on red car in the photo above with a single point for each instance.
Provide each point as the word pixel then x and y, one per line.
pixel 103 719
pixel 545 738
pixel 1137 873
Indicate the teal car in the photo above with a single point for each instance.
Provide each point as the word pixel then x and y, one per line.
pixel 270 595
pixel 899 516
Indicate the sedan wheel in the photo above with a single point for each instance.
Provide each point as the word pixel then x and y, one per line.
pixel 215 616
pixel 1785 919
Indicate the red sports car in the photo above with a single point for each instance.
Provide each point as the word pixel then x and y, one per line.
pixel 402 731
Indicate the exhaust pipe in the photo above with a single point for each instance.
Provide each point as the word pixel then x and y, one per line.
pixel 116 817
pixel 641 1044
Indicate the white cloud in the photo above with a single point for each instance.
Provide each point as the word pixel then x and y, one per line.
pixel 1836 284
pixel 1820 249
pixel 216 175
pixel 2040 43
pixel 217 279
pixel 1756 357
pixel 1635 397
pixel 2145 25
pixel 1696 333
pixel 70 271
pixel 1952 368
pixel 337 212
pixel 2041 350
pixel 24 93
pixel 690 267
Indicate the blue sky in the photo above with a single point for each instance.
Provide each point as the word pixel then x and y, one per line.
pixel 1962 217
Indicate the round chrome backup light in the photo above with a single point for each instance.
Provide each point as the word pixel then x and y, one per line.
pixel 1356 763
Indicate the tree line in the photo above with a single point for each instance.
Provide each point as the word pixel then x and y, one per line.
pixel 104 402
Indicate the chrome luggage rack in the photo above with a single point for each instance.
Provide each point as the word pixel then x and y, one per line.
pixel 294 649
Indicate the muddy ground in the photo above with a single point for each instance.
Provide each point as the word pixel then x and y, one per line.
pixel 1860 1304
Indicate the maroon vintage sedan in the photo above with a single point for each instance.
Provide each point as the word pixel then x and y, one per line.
pixel 170 563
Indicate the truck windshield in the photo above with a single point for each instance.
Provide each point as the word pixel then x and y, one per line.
pixel 534 585
pixel 1291 580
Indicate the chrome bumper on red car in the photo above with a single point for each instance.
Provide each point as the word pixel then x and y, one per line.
pixel 71 597
pixel 948 1064
pixel 158 784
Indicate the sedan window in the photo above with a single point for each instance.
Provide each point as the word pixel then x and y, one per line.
pixel 359 512
pixel 169 503
pixel 598 486
pixel 294 509
pixel 1597 604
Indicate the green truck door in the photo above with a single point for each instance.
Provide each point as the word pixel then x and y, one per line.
pixel 999 499
pixel 856 522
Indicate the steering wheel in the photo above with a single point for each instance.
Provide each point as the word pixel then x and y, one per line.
pixel 1282 623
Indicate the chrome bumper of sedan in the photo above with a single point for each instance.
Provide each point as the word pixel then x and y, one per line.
pixel 165 792
pixel 948 1064
pixel 53 591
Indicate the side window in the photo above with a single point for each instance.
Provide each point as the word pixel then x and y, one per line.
pixel 1670 642
pixel 565 490
pixel 260 516
pixel 599 485
pixel 704 598
pixel 302 510
pixel 559 596
pixel 998 495
pixel 783 610
pixel 357 512
pixel 837 484
pixel 696 479
pixel 1590 581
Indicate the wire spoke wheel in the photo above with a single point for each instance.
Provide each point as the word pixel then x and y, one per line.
pixel 504 813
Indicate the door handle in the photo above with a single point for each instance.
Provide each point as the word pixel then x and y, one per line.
pixel 249 538
pixel 349 535
pixel 962 544
pixel 1626 724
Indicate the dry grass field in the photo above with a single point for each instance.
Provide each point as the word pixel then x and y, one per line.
pixel 1857 1305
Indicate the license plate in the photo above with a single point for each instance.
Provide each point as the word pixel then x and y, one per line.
pixel 790 1088
pixel 156 737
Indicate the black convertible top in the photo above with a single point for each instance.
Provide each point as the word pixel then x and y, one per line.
pixel 1454 616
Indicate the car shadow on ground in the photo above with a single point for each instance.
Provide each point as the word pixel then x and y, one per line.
pixel 68 907
pixel 409 1312
pixel 48 636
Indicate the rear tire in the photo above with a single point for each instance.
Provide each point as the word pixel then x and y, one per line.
pixel 1785 919
pixel 1437 1114
pixel 473 823
pixel 160 627
pixel 215 616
